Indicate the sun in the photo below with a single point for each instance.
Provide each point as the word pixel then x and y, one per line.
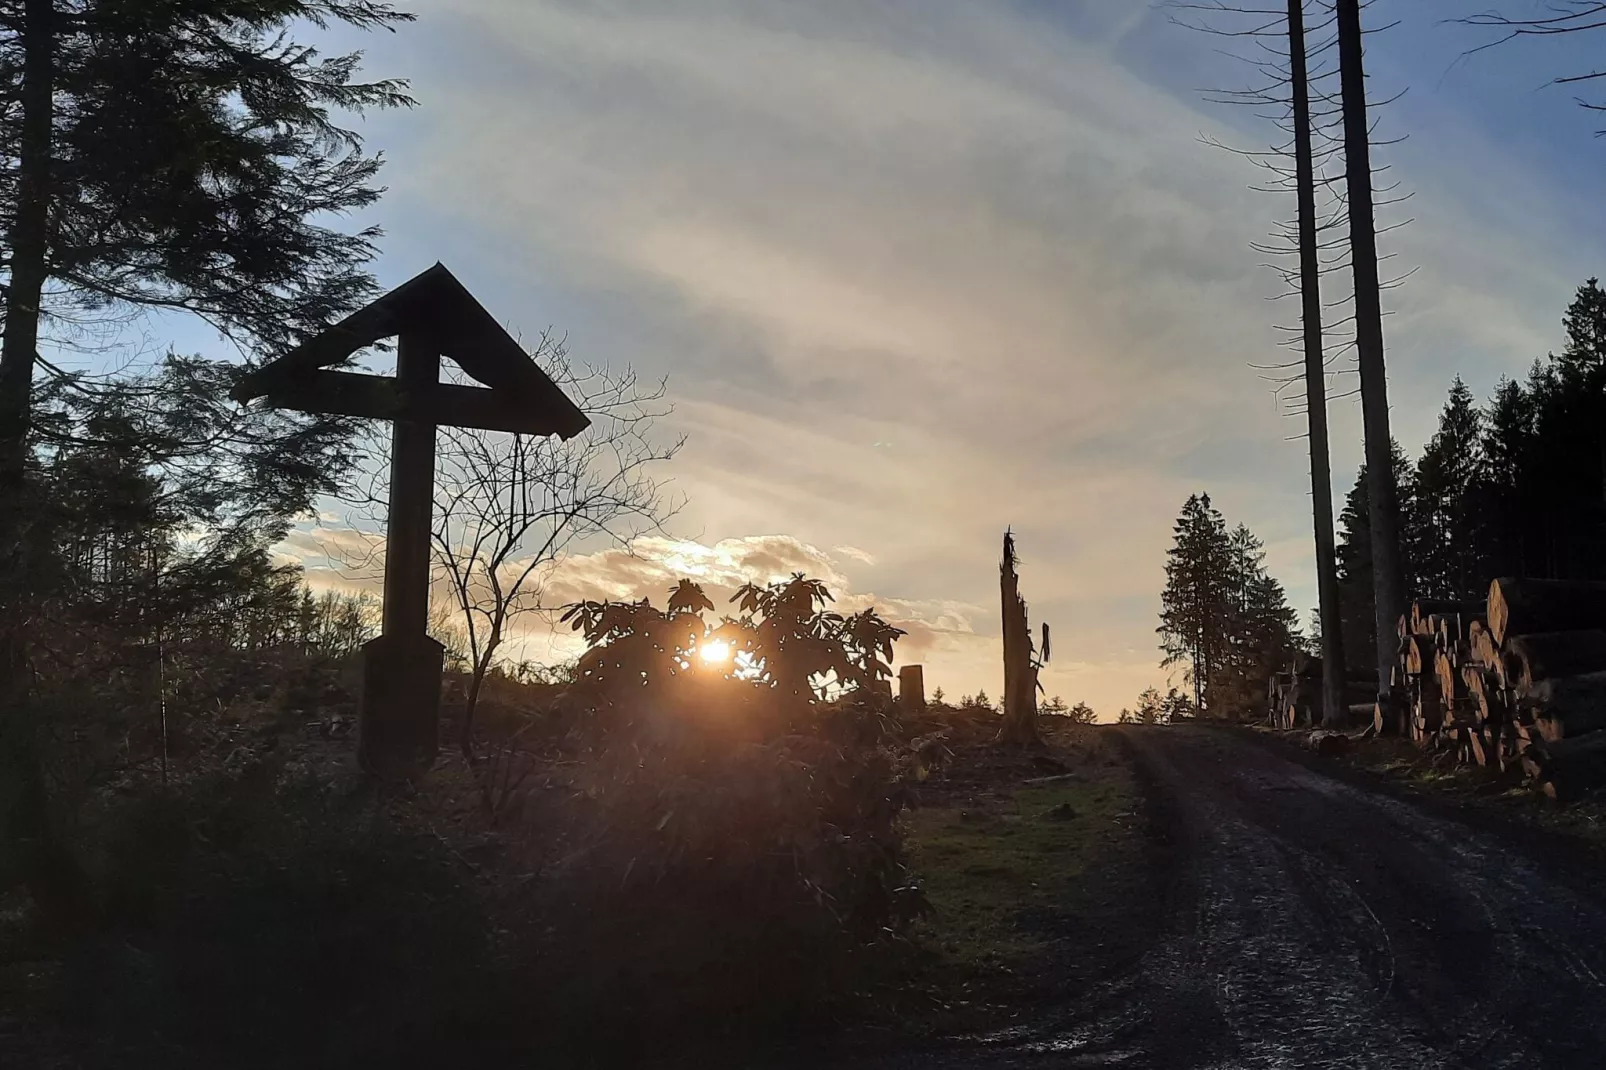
pixel 715 652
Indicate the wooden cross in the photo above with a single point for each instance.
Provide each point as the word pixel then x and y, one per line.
pixel 430 316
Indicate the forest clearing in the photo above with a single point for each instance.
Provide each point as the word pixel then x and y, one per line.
pixel 383 685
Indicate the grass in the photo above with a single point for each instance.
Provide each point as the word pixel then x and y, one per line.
pixel 1035 888
pixel 1435 773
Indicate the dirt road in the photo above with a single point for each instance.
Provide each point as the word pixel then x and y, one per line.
pixel 1314 922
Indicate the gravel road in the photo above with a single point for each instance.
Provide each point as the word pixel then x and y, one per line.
pixel 1316 923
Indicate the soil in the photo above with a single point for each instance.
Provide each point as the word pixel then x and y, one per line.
pixel 1313 916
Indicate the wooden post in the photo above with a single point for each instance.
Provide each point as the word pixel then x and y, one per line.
pixel 400 711
pixel 431 315
pixel 912 689
pixel 412 495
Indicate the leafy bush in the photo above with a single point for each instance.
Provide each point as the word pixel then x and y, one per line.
pixel 744 806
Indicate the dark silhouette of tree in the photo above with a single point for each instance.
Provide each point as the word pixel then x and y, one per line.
pixel 1450 563
pixel 1220 612
pixel 1321 480
pixel 1021 660
pixel 1383 513
pixel 1560 17
pixel 1289 85
pixel 1355 562
pixel 1194 606
pixel 175 156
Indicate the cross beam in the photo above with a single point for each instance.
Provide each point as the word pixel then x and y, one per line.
pixel 379 398
pixel 430 316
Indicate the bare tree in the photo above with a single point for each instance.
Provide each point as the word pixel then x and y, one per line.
pixel 508 508
pixel 1388 567
pixel 1334 671
pixel 1292 165
pixel 1295 99
pixel 1021 662
pixel 1563 17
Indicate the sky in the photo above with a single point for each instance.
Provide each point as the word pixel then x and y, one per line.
pixel 918 270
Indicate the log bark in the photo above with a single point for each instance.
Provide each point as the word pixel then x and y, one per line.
pixel 1564 707
pixel 1569 768
pixel 1423 608
pixel 1526 607
pixel 1419 655
pixel 1544 655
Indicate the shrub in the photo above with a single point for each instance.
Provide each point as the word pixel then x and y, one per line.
pixel 743 830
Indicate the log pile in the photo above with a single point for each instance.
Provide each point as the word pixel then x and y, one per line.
pixel 1516 684
pixel 1295 695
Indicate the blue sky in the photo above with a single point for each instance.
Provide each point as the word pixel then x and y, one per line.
pixel 918 269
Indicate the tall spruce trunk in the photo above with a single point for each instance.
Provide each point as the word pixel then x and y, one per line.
pixel 30 233
pixel 1020 676
pixel 1334 701
pixel 28 833
pixel 1388 570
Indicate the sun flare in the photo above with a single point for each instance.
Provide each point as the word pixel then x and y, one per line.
pixel 717 652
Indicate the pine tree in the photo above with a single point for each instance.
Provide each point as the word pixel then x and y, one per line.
pixel 1355 550
pixel 158 155
pixel 1221 612
pixel 1567 476
pixel 1450 561
pixel 1194 605
pixel 1507 453
pixel 180 156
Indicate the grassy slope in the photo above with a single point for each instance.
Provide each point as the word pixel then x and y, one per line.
pixel 1038 889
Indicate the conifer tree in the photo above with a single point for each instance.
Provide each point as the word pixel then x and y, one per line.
pixel 1450 563
pixel 156 154
pixel 1355 550
pixel 1220 612
pixel 1194 605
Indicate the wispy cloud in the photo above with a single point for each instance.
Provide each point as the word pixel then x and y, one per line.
pixel 921 269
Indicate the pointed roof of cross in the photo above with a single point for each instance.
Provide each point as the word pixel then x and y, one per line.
pixel 436 306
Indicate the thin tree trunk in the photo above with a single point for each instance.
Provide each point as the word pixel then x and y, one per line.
pixel 30 231
pixel 1388 572
pixel 1020 679
pixel 53 877
pixel 471 700
pixel 1310 282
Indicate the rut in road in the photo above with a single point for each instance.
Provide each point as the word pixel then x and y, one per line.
pixel 1319 924
pixel 1333 926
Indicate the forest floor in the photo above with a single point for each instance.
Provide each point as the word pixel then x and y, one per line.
pixel 1159 897
pixel 1316 912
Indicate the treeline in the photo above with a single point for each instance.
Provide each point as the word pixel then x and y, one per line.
pixel 1222 615
pixel 1513 487
pixel 158 504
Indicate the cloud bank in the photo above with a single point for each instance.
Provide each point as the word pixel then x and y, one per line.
pixel 918 270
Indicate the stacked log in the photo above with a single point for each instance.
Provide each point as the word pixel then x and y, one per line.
pixel 1295 695
pixel 1516 684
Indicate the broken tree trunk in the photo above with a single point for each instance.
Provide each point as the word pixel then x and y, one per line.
pixel 1526 607
pixel 1020 672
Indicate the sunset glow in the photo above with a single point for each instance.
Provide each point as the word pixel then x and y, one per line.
pixel 717 652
